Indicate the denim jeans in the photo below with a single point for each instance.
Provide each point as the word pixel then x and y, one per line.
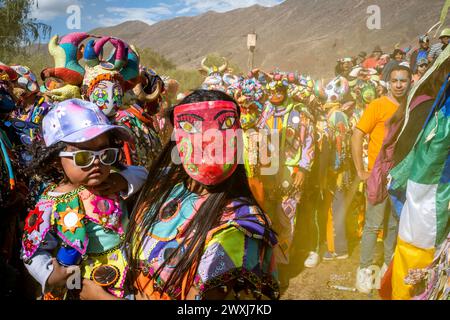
pixel 374 222
pixel 339 211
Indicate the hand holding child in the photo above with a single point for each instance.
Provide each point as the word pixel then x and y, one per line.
pixel 60 274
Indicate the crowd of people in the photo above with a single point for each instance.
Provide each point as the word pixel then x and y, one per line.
pixel 219 192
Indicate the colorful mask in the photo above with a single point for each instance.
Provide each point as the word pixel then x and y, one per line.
pixel 107 95
pixel 368 93
pixel 301 91
pixel 206 137
pixel 337 89
pixel 277 91
pixel 27 79
pixel 250 116
pixel 249 97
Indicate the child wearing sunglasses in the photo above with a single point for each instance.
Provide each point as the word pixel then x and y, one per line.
pixel 73 224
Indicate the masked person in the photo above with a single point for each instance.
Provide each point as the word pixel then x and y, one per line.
pixel 250 95
pixel 197 231
pixel 287 125
pixel 106 86
pixel 334 129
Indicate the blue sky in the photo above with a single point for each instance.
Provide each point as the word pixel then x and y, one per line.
pixel 103 13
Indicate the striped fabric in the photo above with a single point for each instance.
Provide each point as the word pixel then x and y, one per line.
pixel 420 189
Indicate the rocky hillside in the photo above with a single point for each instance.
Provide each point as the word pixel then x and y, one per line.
pixel 303 35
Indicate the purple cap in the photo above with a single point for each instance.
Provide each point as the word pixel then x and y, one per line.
pixel 77 121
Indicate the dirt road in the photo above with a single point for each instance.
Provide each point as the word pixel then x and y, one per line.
pixel 311 284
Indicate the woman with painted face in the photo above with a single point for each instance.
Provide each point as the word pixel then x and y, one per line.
pixel 196 231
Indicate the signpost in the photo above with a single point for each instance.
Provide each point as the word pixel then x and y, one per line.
pixel 251 45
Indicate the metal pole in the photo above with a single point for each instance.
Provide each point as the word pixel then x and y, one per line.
pixel 251 45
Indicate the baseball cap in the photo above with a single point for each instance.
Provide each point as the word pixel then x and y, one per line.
pixel 77 121
pixel 424 38
pixel 405 64
pixel 422 61
pixel 346 59
pixel 445 33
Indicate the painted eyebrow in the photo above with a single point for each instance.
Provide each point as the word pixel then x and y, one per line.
pixel 222 112
pixel 190 115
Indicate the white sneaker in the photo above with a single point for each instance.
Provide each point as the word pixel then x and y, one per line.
pixel 313 260
pixel 364 280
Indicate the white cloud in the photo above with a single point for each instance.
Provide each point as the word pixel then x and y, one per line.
pixel 119 15
pixel 227 5
pixel 47 10
pixel 184 10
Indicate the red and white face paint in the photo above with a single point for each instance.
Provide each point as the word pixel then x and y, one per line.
pixel 207 136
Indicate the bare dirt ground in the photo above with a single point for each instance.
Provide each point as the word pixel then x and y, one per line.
pixel 311 284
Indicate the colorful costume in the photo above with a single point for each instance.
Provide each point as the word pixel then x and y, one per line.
pixel 292 122
pixel 334 131
pixel 250 95
pixel 231 252
pixel 105 86
pixel 92 225
pixel 217 78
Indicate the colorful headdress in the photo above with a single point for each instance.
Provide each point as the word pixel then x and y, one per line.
pixel 123 59
pixel 214 69
pixel 66 54
pixel 97 74
pixel 337 89
pixel 7 73
pixel 303 89
pixel 27 79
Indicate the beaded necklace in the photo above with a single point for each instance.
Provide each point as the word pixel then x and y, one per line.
pixel 63 197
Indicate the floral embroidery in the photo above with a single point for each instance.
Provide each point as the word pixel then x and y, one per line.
pixel 65 217
pixel 61 111
pixel 35 237
pixel 87 123
pixel 34 220
pixel 70 219
pixel 28 245
pixel 109 213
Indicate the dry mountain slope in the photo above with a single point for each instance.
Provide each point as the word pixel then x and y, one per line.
pixel 304 35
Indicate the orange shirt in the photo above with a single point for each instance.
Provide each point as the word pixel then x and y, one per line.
pixel 370 63
pixel 373 123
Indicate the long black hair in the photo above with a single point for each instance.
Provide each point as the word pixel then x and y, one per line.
pixel 163 176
